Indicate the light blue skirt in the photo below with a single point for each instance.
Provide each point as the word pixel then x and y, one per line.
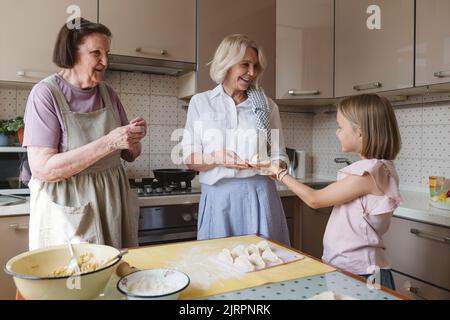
pixel 241 206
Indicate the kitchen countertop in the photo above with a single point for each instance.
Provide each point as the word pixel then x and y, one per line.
pixel 414 207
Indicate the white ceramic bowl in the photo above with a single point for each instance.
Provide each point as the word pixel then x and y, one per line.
pixel 153 284
pixel 32 272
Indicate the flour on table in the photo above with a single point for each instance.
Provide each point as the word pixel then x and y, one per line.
pixel 202 269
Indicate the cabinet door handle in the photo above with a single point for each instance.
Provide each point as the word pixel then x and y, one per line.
pixel 367 86
pixel 303 93
pixel 33 73
pixel 429 235
pixel 19 226
pixel 442 74
pixel 161 52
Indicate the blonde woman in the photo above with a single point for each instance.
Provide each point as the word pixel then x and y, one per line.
pixel 226 128
pixel 366 192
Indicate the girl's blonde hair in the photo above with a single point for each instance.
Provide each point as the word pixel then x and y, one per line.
pixel 376 118
pixel 230 52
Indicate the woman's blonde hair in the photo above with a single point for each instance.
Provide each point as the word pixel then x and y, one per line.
pixel 376 118
pixel 230 52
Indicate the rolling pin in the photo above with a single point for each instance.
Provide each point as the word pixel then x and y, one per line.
pixel 124 269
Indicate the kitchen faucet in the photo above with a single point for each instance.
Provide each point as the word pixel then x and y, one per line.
pixel 342 160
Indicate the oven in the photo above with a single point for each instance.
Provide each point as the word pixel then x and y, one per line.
pixel 166 224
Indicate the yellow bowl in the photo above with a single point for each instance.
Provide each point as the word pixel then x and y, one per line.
pixel 32 272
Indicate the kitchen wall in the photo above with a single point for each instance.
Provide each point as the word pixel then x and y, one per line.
pixel 425 132
pixel 425 129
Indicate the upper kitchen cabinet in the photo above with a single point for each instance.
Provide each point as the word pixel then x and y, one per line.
pixel 218 18
pixel 432 41
pixel 374 47
pixel 28 31
pixel 157 29
pixel 304 49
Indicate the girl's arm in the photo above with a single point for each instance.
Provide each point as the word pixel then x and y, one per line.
pixel 339 192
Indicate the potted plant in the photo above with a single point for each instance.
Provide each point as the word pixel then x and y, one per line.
pixel 4 133
pixel 10 129
pixel 16 128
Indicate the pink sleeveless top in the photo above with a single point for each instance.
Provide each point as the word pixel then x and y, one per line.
pixel 352 239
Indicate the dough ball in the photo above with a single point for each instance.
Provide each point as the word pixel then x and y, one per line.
pixel 269 256
pixel 225 256
pixel 244 264
pixel 238 251
pixel 256 259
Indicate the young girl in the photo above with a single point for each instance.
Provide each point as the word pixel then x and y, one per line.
pixel 366 192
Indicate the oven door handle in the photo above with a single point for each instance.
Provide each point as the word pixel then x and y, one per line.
pixel 148 238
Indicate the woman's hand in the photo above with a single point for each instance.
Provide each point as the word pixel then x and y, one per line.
pixel 141 123
pixel 229 159
pixel 125 137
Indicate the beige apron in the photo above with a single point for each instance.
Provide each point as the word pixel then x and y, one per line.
pixel 95 205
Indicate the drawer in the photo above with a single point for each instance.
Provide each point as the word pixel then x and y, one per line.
pixel 418 290
pixel 419 250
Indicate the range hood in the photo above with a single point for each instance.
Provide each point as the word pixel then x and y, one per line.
pixel 148 65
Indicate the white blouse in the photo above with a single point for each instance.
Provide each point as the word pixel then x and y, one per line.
pixel 215 123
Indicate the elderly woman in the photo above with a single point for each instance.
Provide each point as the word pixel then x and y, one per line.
pixel 227 129
pixel 76 133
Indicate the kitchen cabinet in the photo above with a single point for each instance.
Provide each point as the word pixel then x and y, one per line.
pixel 420 252
pixel 28 31
pixel 432 42
pixel 313 225
pixel 304 49
pixel 14 240
pixel 291 207
pixel 255 18
pixel 374 46
pixel 158 29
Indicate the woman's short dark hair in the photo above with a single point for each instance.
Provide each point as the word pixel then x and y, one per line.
pixel 69 39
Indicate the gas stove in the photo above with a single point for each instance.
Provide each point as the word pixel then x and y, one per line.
pixel 148 187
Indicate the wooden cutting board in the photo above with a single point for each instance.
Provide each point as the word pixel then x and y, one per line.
pixel 210 277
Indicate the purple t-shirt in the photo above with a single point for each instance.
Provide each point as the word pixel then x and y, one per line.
pixel 44 126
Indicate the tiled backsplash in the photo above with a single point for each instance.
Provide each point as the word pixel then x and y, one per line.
pixel 425 129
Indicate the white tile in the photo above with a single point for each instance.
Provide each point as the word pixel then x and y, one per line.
pixel 113 79
pixel 181 116
pixel 289 138
pixel 134 82
pixel 164 85
pixel 163 110
pixel 160 138
pixel 438 113
pixel 139 168
pixel 136 105
pixel 287 121
pixel 320 140
pixel 411 142
pixel 145 143
pixel 321 120
pixel 409 115
pixel 8 103
pixel 22 98
pixel 161 161
pixel 436 142
pixel 409 171
pixel 320 162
